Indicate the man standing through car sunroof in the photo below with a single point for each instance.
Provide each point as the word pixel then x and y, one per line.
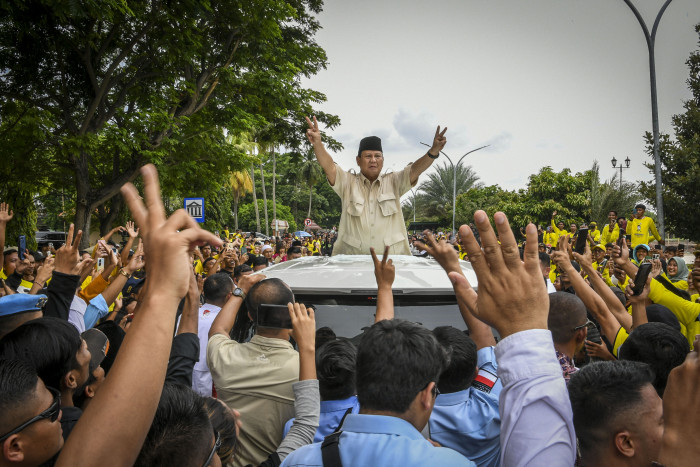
pixel 371 214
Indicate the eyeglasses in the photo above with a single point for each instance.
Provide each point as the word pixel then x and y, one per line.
pixel 217 445
pixel 50 413
pixel 588 324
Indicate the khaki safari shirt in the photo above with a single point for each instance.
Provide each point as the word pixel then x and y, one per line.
pixel 256 379
pixel 371 213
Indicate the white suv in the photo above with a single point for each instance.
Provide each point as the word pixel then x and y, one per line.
pixel 344 290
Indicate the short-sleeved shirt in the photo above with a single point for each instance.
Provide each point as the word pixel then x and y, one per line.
pixel 256 379
pixel 468 421
pixel 371 215
pixel 374 440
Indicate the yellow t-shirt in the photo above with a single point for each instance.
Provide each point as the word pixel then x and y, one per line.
pixel 642 230
pixel 687 312
pixel 609 236
pixel 595 234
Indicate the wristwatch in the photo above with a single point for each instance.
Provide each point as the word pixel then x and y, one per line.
pixel 124 273
pixel 238 292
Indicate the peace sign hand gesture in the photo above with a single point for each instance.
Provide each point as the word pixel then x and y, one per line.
pixel 313 133
pixel 438 141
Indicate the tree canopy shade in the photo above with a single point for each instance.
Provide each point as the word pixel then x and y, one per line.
pixel 103 88
pixel 680 162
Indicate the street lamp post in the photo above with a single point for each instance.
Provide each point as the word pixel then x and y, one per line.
pixel 454 179
pixel 651 38
pixel 413 192
pixel 626 165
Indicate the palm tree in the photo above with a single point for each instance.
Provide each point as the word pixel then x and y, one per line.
pixel 438 187
pixel 241 184
pixel 312 173
pixel 609 196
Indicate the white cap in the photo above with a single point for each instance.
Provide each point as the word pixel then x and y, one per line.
pixel 266 247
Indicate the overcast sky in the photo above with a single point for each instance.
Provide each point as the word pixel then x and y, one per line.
pixel 544 82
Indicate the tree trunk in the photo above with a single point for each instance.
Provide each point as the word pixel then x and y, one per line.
pixel 105 218
pixel 311 196
pixel 255 198
pixel 235 211
pixel 262 180
pixel 274 198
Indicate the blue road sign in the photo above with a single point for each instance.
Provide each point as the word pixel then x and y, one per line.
pixel 195 208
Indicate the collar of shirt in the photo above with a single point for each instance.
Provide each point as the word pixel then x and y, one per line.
pixel 361 423
pixel 271 342
pixel 336 405
pixel 453 398
pixel 207 309
pixel 365 180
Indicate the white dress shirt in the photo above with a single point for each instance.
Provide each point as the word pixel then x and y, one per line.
pixel 537 427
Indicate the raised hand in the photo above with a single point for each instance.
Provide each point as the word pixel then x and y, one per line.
pixel 313 133
pixel 439 141
pixel 133 232
pixel 444 253
pixel 166 241
pixel 512 295
pixel 137 260
pixel 67 256
pixel 384 270
pixel 5 213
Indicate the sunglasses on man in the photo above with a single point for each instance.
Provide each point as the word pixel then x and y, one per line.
pixel 50 413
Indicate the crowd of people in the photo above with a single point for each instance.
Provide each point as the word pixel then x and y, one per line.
pixel 175 349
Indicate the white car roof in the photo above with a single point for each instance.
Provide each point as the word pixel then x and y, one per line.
pixel 347 274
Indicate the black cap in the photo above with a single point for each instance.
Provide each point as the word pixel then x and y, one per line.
pixel 640 205
pixel 370 143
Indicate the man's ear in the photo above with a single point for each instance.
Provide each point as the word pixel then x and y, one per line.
pixel 13 448
pixel 357 159
pixel 70 379
pixel 425 397
pixel 89 391
pixel 624 443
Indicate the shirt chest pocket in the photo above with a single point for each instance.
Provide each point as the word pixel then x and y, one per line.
pixel 387 204
pixel 356 205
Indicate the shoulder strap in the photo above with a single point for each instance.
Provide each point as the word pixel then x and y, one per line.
pixel 330 450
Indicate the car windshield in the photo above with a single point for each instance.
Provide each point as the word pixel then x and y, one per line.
pixel 348 316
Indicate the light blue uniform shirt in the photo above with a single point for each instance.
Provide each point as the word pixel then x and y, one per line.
pixel 468 421
pixel 331 414
pixel 379 440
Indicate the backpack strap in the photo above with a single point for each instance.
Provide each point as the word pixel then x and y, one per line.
pixel 330 450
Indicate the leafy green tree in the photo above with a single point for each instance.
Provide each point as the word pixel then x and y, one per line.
pixel 680 162
pixel 610 196
pixel 122 84
pixel 438 187
pixel 246 215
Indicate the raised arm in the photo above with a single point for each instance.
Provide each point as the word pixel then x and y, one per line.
pixel 384 272
pixel 133 233
pixel 322 156
pixel 5 216
pixel 129 397
pixel 536 420
pixel 223 323
pixel 639 306
pixel 448 258
pixel 427 159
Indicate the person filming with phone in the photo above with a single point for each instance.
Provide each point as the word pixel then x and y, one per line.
pixel 256 377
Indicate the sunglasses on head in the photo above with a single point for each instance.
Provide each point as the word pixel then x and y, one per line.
pixel 50 413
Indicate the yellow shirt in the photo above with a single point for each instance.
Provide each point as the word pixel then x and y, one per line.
pixel 642 230
pixel 550 238
pixel 595 235
pixel 609 236
pixel 371 215
pixel 687 312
